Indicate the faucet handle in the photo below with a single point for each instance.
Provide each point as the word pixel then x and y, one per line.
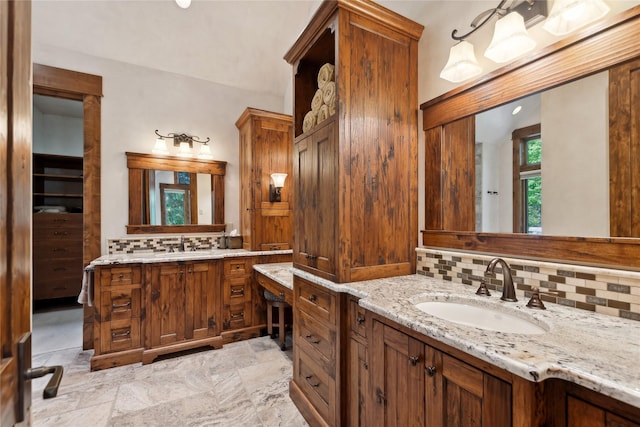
pixel 535 301
pixel 482 290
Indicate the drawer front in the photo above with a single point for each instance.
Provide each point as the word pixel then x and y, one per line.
pixel 55 287
pixel 51 220
pixel 120 276
pixel 316 384
pixel 237 267
pixel 71 234
pixel 274 246
pixel 318 302
pixel 57 248
pixel 237 290
pixel 120 304
pixel 119 335
pixel 317 340
pixel 237 316
pixel 275 288
pixel 357 318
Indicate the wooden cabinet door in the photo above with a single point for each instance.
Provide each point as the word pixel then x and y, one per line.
pixel 200 301
pixel 167 324
pixel 315 163
pixel 584 414
pixel 358 383
pixel 397 378
pixel 458 394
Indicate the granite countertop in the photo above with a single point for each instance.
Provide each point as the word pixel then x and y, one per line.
pixel 596 351
pixel 278 271
pixel 150 257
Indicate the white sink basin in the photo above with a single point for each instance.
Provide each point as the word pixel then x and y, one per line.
pixel 480 317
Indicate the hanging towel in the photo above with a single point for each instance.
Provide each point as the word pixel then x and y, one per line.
pixel 86 293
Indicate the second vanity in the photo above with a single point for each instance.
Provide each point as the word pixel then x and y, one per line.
pixel 365 354
pixel 148 305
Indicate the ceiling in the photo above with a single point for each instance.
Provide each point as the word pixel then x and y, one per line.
pixel 238 43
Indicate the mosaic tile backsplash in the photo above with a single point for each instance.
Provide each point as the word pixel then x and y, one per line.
pixel 606 291
pixel 140 245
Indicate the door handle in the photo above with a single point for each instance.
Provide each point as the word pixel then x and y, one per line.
pixel 51 389
pixel 26 373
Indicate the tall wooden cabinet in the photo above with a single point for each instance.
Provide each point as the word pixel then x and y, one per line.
pixel 355 173
pixel 266 147
pixel 57 226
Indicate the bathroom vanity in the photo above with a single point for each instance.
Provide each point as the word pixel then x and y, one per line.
pixel 147 305
pixel 365 354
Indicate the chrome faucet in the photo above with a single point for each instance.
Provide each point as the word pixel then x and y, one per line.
pixel 181 243
pixel 508 291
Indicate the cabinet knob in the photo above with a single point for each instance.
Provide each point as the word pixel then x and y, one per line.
pixel 312 340
pixel 414 360
pixel 430 370
pixel 313 298
pixel 360 320
pixel 312 384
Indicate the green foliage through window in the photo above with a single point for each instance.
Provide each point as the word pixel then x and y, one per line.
pixel 174 207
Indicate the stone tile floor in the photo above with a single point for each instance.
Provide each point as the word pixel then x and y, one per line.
pixel 243 384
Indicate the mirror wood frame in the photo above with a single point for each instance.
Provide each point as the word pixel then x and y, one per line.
pixel 597 48
pixel 137 163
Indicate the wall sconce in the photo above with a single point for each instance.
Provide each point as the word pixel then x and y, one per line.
pixel 275 188
pixel 184 143
pixel 510 38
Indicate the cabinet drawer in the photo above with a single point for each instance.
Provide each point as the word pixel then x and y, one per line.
pixel 55 287
pixel 237 316
pixel 71 234
pixel 318 302
pixel 275 288
pixel 120 304
pixel 237 267
pixel 48 271
pixel 56 248
pixel 51 220
pixel 274 246
pixel 237 290
pixel 120 276
pixel 119 335
pixel 357 318
pixel 317 340
pixel 316 384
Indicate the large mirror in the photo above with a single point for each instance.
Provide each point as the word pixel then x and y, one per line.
pixel 542 162
pixel 606 54
pixel 175 195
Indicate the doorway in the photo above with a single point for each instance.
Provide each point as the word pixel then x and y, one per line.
pixel 87 89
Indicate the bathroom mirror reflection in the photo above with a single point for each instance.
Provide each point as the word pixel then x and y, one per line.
pixel 562 186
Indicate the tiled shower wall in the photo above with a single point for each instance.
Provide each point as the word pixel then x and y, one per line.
pixel 139 245
pixel 606 291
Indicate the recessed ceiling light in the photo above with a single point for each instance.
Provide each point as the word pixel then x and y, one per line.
pixel 516 110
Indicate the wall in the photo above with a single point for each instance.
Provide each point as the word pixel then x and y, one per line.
pixel 575 173
pixel 137 101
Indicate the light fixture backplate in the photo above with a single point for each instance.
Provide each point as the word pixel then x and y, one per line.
pixel 533 11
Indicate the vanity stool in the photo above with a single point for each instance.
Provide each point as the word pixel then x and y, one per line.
pixel 274 300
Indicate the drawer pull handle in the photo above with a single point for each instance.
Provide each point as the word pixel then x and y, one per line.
pixel 414 360
pixel 60 269
pixel 59 250
pixel 126 304
pixel 312 257
pixel 237 291
pixel 60 233
pixel 313 298
pixel 312 340
pixel 360 320
pixel 121 335
pixel 281 295
pixel 60 220
pixel 430 370
pixel 308 378
pixel 120 276
pixel 237 316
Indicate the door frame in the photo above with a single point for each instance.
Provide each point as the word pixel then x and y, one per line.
pixel 61 83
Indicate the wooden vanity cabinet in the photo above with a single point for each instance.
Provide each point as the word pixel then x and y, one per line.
pixel 343 188
pixel 119 314
pixel 266 147
pixel 183 301
pixel 237 288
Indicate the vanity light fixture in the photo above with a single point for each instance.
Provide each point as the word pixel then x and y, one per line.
pixel 275 188
pixel 510 38
pixel 184 143
pixel 569 15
